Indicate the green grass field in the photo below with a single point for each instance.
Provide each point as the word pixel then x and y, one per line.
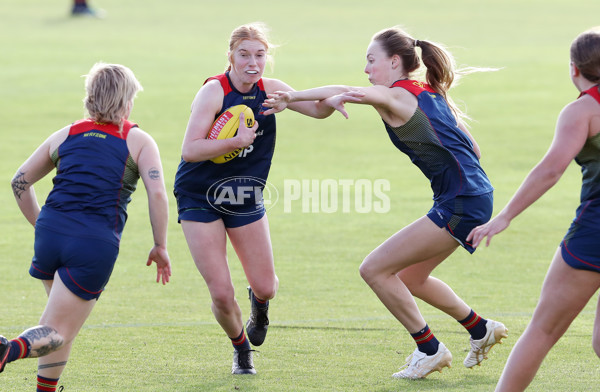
pixel 328 330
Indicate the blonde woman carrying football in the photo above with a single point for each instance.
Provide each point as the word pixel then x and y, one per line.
pixel 220 201
pixel 423 123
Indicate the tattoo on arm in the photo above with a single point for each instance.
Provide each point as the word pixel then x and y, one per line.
pixel 19 184
pixel 154 173
pixel 51 365
pixel 43 340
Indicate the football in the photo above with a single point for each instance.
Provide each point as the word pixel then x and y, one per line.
pixel 226 126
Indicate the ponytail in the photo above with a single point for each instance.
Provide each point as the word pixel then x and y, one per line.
pixel 441 71
pixel 440 66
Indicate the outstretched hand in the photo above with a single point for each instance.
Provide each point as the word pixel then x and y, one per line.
pixel 277 102
pixel 337 101
pixel 493 227
pixel 160 256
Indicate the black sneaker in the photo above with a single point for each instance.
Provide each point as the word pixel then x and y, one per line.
pixel 242 362
pixel 258 323
pixel 4 350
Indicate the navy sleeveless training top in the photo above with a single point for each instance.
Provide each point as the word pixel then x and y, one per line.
pixel 95 177
pixel 194 179
pixel 436 145
pixel 588 212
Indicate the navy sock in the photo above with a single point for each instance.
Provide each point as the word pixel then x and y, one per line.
pixel 241 343
pixel 261 304
pixel 475 325
pixel 426 342
pixel 19 348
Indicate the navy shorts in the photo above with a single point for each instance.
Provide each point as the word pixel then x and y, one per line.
pixel 83 264
pixel 192 209
pixel 462 214
pixel 581 247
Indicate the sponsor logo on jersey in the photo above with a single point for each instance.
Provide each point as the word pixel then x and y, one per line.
pixel 95 134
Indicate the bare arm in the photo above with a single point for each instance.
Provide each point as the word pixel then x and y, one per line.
pixel 206 105
pixel 318 93
pixel 148 160
pixel 571 134
pixel 394 105
pixel 309 102
pixel 36 167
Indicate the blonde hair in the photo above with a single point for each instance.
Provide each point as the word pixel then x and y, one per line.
pixel 441 68
pixel 110 88
pixel 585 54
pixel 257 31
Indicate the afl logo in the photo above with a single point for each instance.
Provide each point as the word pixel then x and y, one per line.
pixel 227 194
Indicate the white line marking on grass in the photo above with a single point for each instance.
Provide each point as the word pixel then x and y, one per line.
pixel 305 323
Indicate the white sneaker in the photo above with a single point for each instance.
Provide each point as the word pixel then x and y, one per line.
pixel 420 365
pixel 496 331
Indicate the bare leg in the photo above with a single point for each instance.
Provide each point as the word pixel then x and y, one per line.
pixel 421 241
pixel 252 243
pixel 432 290
pixel 60 323
pixel 208 245
pixel 564 294
pixel 43 339
pixel 596 337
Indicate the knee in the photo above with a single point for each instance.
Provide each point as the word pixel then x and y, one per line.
pixel 266 289
pixel 548 332
pixel 223 299
pixel 368 270
pixel 60 331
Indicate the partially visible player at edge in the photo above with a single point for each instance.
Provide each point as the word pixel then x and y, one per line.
pixel 77 232
pixel 574 274
pixel 422 122
pixel 207 220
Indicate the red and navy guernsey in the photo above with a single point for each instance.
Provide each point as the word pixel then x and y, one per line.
pixel 95 177
pixel 438 147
